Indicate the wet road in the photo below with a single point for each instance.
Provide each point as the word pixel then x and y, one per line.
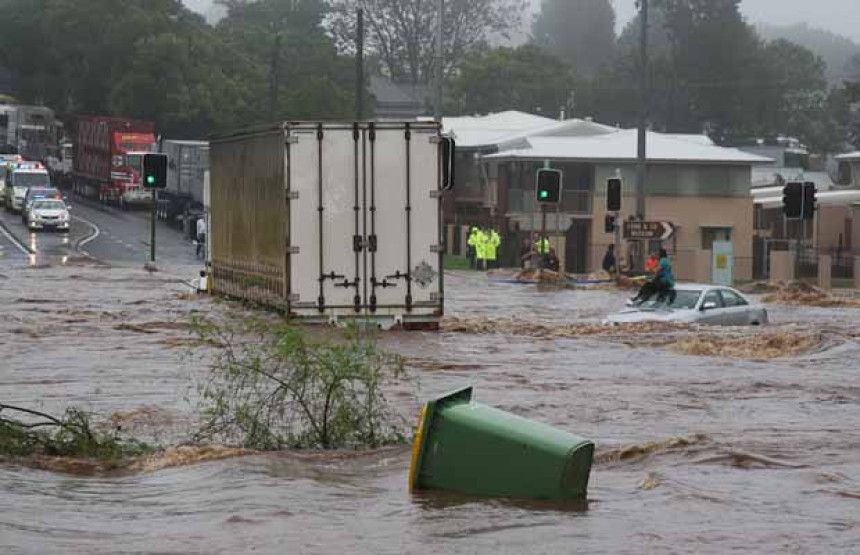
pixel 100 232
pixel 768 459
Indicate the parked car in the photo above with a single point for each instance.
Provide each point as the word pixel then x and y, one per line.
pixel 48 214
pixel 697 304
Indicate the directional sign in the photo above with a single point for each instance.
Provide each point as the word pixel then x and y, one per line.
pixel 654 231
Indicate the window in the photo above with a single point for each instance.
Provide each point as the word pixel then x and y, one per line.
pixel 713 297
pixel 711 234
pixel 733 299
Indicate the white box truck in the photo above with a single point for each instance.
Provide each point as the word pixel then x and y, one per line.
pixel 331 221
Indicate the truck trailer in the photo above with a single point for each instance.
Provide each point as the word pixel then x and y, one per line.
pixel 108 156
pixel 331 221
pixel 181 202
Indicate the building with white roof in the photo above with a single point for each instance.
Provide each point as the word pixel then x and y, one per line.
pixel 701 189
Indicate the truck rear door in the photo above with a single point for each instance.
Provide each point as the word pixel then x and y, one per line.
pixel 364 220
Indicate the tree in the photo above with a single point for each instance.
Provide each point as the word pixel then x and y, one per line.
pixel 401 33
pixel 524 78
pixel 295 65
pixel 579 32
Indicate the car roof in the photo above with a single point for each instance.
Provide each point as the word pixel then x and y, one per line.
pixel 702 287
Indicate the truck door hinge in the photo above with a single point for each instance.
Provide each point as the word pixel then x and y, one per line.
pixel 292 140
pixel 294 250
pixel 435 139
pixel 293 195
pixel 294 298
pixel 435 193
pixel 436 249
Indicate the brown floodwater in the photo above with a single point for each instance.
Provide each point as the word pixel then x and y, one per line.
pixel 704 454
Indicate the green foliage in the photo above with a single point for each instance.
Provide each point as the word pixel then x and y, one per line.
pixel 580 32
pixel 156 60
pixel 272 387
pixel 710 72
pixel 523 78
pixel 70 436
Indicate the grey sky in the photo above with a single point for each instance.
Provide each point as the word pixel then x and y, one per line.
pixel 839 16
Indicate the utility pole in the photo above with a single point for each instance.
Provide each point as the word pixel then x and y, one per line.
pixel 641 155
pixel 274 84
pixel 440 58
pixel 359 67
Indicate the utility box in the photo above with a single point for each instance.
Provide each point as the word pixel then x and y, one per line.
pixel 331 221
pixel 475 449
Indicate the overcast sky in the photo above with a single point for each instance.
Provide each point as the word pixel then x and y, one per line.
pixel 839 16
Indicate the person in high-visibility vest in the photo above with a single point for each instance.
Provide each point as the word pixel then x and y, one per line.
pixel 494 240
pixel 541 244
pixel 481 244
pixel 472 247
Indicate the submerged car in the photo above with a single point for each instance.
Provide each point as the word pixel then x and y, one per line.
pixel 697 304
pixel 48 214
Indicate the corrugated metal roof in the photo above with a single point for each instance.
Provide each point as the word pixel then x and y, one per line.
pixel 621 146
pixel 490 130
pixel 850 157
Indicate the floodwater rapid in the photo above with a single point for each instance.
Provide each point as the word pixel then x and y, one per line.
pixel 695 454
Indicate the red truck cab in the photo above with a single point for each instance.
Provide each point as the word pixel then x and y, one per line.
pixel 105 155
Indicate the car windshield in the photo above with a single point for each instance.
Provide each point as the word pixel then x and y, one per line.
pixel 30 179
pixel 49 205
pixel 684 300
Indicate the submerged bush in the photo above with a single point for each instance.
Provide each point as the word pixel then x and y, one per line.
pixel 272 387
pixel 32 432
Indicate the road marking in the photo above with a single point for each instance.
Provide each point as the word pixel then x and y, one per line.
pixel 86 241
pixel 14 240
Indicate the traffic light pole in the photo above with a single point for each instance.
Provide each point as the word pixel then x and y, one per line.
pixel 617 244
pixel 543 256
pixel 152 227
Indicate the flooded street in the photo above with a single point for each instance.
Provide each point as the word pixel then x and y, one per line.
pixel 694 454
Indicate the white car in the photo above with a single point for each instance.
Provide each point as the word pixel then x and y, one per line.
pixel 136 196
pixel 697 304
pixel 48 214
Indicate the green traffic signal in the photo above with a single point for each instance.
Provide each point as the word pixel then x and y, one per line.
pixel 150 179
pixel 544 194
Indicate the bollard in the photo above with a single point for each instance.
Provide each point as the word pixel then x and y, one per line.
pixel 475 449
pixel 825 267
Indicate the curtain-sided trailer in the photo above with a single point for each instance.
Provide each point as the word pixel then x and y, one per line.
pixel 330 221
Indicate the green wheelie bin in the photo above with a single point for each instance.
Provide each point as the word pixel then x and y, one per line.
pixel 475 449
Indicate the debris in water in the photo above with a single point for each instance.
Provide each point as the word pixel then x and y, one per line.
pixel 638 452
pixel 152 327
pixel 516 326
pixel 651 481
pixel 747 460
pixel 799 293
pixel 186 455
pixel 758 346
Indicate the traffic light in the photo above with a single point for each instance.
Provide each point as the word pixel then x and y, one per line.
pixel 613 195
pixel 809 200
pixel 792 200
pixel 548 186
pixel 610 224
pixel 155 171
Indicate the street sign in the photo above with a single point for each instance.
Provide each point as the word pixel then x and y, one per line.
pixel 644 231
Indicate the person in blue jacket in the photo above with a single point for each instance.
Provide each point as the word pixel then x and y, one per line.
pixel 664 280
